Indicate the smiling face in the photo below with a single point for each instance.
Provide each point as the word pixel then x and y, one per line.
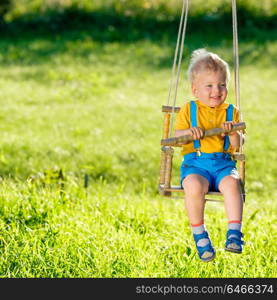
pixel 210 87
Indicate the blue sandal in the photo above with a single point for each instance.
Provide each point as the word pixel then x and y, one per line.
pixel 234 241
pixel 207 248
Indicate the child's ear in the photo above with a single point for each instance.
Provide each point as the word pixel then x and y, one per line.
pixel 194 90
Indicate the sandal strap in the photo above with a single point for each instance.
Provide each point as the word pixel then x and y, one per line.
pixel 208 248
pixel 236 237
pixel 205 248
pixel 203 235
pixel 238 233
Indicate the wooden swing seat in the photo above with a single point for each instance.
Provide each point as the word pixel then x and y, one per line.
pixel 165 188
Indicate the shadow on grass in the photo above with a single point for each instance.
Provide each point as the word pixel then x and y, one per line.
pixel 34 39
pixel 106 25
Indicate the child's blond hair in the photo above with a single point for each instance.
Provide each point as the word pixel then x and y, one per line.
pixel 202 60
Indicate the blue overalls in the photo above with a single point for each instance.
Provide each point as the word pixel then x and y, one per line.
pixel 212 166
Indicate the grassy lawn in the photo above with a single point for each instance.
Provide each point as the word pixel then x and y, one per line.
pixel 74 102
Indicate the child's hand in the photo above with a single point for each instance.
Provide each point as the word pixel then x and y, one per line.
pixel 196 132
pixel 228 125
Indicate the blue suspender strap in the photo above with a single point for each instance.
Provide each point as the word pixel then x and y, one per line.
pixel 193 120
pixel 229 117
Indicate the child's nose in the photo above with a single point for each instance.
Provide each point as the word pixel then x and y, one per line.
pixel 216 89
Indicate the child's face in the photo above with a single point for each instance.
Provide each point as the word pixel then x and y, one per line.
pixel 210 88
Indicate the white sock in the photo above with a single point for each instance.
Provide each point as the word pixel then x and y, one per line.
pixel 234 225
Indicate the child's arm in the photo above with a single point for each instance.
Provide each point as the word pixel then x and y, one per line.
pixel 234 136
pixel 182 126
pixel 196 132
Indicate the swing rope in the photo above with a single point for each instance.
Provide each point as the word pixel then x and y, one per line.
pixel 181 35
pixel 236 64
pixel 175 55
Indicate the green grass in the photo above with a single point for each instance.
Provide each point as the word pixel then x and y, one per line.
pixel 89 106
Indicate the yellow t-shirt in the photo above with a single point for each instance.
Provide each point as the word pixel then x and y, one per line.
pixel 207 118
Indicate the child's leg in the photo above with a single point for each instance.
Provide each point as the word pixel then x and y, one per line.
pixel 196 186
pixel 231 190
pixel 230 187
